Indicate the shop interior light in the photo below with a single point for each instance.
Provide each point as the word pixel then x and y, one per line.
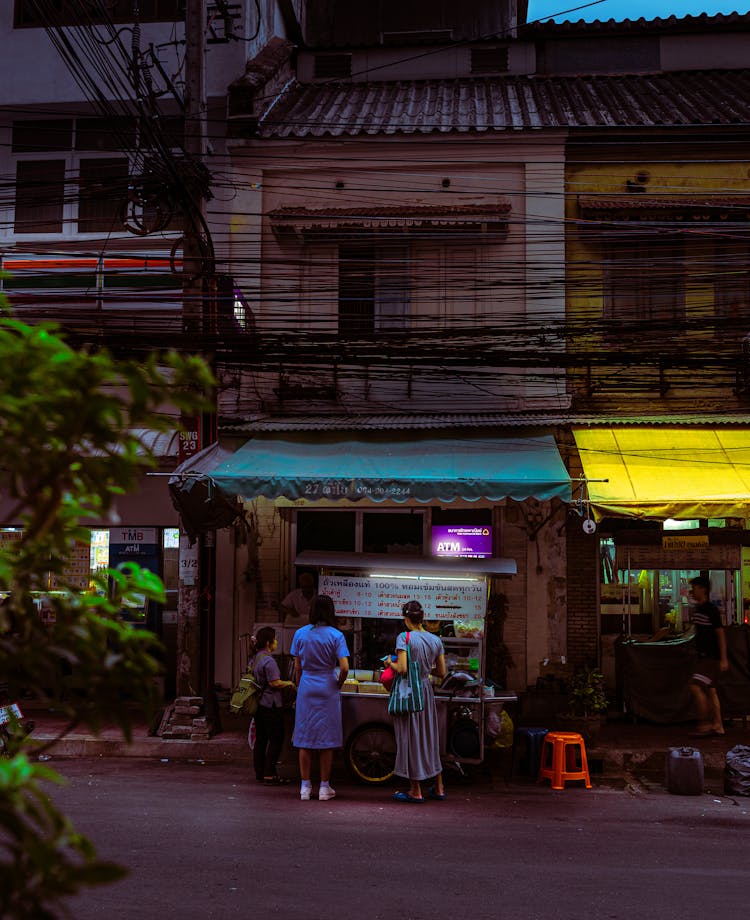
pixel 687 524
pixel 430 578
pixel 449 578
pixel 390 575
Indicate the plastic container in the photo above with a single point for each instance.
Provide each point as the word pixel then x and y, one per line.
pixel 360 674
pixel 684 771
pixel 370 686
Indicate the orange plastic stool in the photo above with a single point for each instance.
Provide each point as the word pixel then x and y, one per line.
pixel 563 758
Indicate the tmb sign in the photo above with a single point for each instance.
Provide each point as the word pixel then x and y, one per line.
pixel 133 541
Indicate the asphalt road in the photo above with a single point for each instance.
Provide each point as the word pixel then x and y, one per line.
pixel 207 842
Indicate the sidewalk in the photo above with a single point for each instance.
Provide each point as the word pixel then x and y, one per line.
pixel 622 750
pixel 229 746
pixel 625 749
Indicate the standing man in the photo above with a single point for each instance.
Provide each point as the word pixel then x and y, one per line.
pixel 295 609
pixel 296 605
pixel 711 646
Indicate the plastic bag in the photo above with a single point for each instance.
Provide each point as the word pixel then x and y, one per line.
pixel 498 729
pixel 737 771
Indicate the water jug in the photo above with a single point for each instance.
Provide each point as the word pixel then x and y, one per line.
pixel 684 771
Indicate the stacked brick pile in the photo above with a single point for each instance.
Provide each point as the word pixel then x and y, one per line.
pixel 185 719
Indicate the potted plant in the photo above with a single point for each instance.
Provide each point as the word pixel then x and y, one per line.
pixel 587 703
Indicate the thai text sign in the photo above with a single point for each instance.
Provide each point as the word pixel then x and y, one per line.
pixel 683 541
pixel 383 596
pixel 680 553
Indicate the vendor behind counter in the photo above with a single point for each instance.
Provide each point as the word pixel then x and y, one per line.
pixel 377 637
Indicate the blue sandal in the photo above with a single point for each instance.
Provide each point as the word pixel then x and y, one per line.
pixel 407 797
pixel 436 796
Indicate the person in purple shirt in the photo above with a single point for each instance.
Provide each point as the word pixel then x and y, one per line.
pixel 318 649
pixel 269 717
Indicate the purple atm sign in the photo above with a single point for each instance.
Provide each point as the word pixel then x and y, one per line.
pixel 471 542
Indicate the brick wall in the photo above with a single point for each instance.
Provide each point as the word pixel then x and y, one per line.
pixel 273 566
pixel 582 577
pixel 515 546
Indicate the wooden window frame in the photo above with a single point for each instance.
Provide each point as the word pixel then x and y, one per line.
pixel 644 282
pixel 374 287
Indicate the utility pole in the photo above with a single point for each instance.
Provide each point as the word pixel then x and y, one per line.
pixel 197 562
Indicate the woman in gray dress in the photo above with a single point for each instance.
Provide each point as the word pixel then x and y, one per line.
pixel 418 733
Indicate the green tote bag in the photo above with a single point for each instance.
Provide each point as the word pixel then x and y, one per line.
pixel 406 693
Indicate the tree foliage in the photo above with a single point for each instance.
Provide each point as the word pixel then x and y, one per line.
pixel 71 424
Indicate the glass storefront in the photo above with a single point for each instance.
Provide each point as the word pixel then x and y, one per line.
pixel 645 575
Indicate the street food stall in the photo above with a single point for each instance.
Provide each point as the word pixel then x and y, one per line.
pixel 672 502
pixel 368 592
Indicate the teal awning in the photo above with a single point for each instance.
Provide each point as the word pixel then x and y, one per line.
pixel 409 468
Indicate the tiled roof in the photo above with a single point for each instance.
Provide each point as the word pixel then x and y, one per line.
pixel 517 103
pixel 676 24
pixel 326 220
pixel 641 202
pixel 423 212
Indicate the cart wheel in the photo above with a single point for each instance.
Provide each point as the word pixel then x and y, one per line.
pixel 371 753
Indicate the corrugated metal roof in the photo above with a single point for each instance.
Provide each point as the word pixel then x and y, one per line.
pixel 158 443
pixel 695 98
pixel 477 420
pixel 394 422
pixel 687 420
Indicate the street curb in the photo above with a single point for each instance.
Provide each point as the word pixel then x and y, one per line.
pixel 231 747
pixel 618 761
pixel 216 750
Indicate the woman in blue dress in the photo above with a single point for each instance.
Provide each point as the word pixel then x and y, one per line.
pixel 318 649
pixel 418 733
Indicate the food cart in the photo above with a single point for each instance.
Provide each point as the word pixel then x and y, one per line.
pixel 369 592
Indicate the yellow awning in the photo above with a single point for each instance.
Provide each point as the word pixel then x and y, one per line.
pixel 666 472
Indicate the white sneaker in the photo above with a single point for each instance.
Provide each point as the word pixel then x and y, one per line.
pixel 326 793
pixel 305 793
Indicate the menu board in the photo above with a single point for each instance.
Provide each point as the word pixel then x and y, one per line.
pixel 77 570
pixel 383 597
pixel 9 537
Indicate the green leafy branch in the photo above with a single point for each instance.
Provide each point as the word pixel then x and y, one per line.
pixel 72 429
